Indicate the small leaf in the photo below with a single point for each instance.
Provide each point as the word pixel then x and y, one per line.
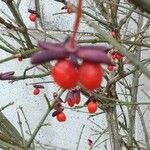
pixel 47 55
pixel 7 77
pixel 49 46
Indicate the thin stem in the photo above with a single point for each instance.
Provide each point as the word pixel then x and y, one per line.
pixel 80 137
pixel 77 22
pixel 42 121
pixel 38 128
pixel 21 128
pixel 112 122
pixel 9 104
pixel 28 126
pixel 144 128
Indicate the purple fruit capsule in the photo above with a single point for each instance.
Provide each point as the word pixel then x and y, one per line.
pixel 76 97
pixel 48 52
pixel 7 75
pixel 94 54
pixel 69 96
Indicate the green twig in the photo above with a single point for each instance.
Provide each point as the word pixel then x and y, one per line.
pixel 80 137
pixel 42 121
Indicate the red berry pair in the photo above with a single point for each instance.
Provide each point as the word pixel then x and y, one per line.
pixel 66 75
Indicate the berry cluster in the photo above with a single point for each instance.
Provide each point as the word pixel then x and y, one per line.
pixel 72 98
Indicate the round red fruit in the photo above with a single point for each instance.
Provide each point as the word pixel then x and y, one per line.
pixel 65 74
pixel 114 56
pixel 90 75
pixel 118 56
pixel 36 91
pixel 113 33
pixel 61 117
pixel 33 17
pixel 92 107
pixel 110 67
pixel 20 58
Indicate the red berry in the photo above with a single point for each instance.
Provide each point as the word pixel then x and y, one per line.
pixel 90 75
pixel 61 117
pixel 70 103
pixel 118 56
pixel 113 33
pixel 20 58
pixel 36 91
pixel 110 67
pixel 92 107
pixel 114 55
pixel 33 17
pixel 65 74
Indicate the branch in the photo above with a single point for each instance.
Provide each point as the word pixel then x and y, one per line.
pixel 15 11
pixel 142 4
pixel 42 121
pixel 9 25
pixel 120 48
pixel 144 128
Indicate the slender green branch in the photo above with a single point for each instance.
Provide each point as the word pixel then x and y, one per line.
pixel 42 121
pixel 144 128
pixel 28 126
pixel 24 54
pixel 7 44
pixel 80 137
pixel 17 78
pixel 14 10
pixel 101 40
pixel 9 104
pixel 21 128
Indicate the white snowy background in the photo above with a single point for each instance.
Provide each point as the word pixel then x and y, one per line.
pixel 57 135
